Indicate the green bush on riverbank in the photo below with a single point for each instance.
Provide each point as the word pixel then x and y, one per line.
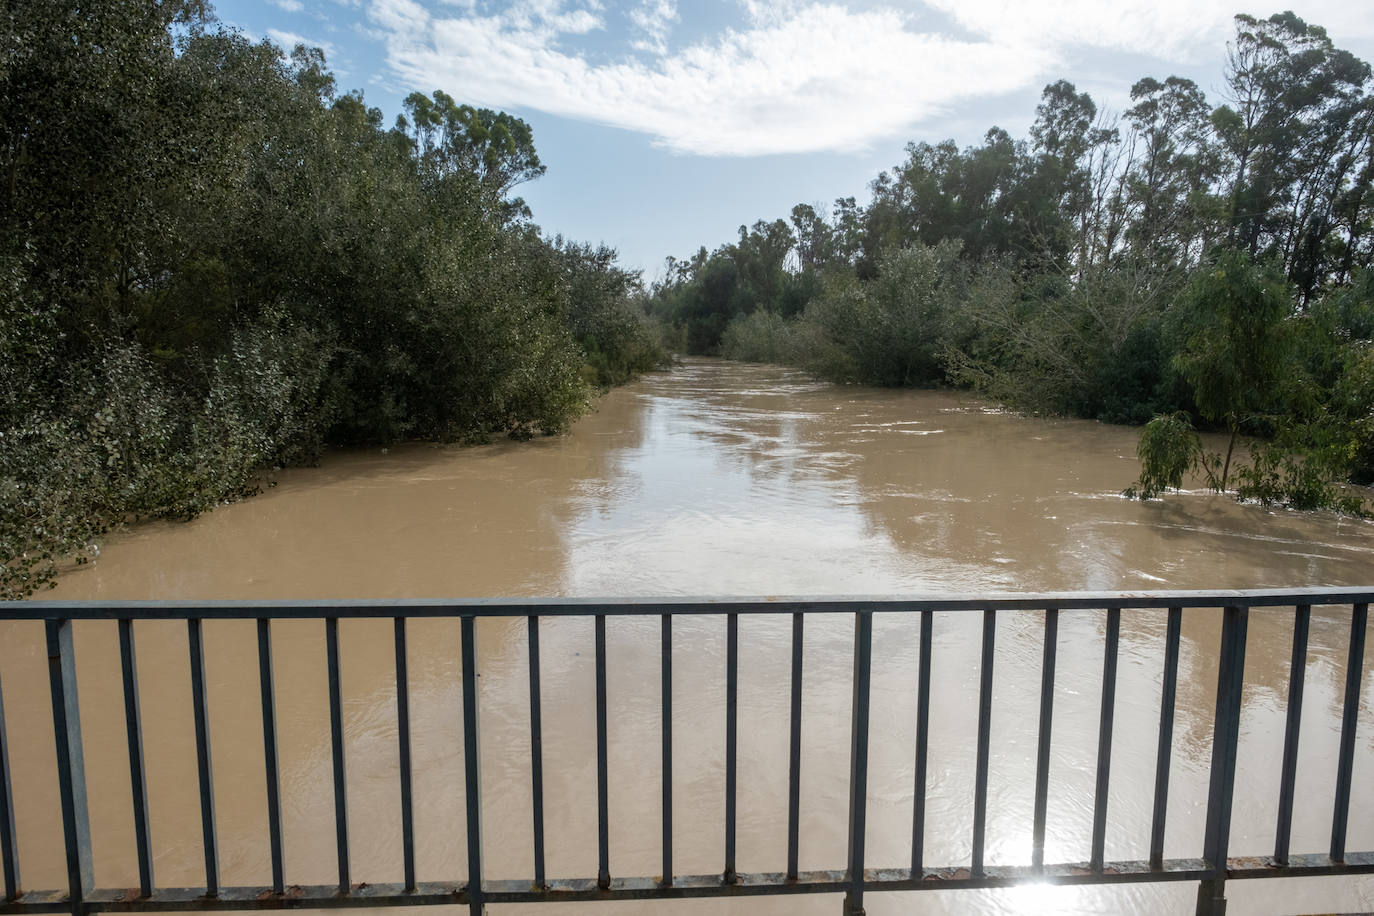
pixel 212 262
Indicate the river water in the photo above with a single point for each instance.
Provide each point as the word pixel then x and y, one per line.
pixel 712 479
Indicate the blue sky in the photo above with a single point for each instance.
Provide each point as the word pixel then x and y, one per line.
pixel 666 124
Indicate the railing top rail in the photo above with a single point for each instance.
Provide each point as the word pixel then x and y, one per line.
pixel 577 607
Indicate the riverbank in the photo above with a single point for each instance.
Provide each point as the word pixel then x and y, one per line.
pixel 727 478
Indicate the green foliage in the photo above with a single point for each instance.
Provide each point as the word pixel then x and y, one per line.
pixel 893 330
pixel 496 147
pixel 212 264
pixel 1233 346
pixel 1090 348
pixel 1234 342
pixel 763 337
pixel 1350 414
pixel 1280 476
pixel 1168 449
pixel 703 294
pixel 607 317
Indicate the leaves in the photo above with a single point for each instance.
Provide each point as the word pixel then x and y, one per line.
pixel 1168 449
pixel 212 263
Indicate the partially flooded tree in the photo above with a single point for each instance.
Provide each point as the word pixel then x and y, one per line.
pixel 1234 347
pixel 1169 447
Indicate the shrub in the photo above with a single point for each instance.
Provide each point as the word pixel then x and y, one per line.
pixel 1168 449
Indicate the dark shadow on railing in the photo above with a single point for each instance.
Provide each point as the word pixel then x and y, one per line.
pixel 1212 869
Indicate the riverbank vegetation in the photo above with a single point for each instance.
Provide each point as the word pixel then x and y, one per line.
pixel 214 262
pixel 1207 263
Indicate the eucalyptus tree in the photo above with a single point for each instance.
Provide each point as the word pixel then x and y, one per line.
pixel 495 146
pixel 1295 130
pixel 815 238
pixel 1062 137
pixel 1173 166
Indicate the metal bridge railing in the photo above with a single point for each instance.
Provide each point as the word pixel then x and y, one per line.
pixel 853 879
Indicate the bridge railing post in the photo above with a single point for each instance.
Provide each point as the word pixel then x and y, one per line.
pixel 1211 898
pixel 71 767
pixel 472 766
pixel 9 847
pixel 858 763
pixel 1354 668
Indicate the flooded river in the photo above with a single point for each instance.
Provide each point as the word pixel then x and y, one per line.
pixel 714 479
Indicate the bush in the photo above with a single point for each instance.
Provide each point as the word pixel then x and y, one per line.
pixel 1168 449
pixel 762 337
pixel 1278 476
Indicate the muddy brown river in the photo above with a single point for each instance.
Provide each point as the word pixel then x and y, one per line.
pixel 712 479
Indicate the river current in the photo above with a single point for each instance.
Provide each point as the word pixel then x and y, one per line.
pixel 712 479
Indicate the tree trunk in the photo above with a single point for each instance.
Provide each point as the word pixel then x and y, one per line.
pixel 1230 447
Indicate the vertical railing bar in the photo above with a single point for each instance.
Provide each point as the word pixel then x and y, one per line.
pixel 1297 673
pixel 536 753
pixel 603 813
pixel 858 761
pixel 336 740
pixel 472 766
pixel 1230 678
pixel 1359 622
pixel 980 788
pixel 666 726
pixel 269 752
pixel 138 781
pixel 9 838
pixel 71 769
pixel 1225 741
pixel 794 749
pixel 1042 754
pixel 403 743
pixel 1164 753
pixel 731 739
pixel 918 812
pixel 1106 718
pixel 200 708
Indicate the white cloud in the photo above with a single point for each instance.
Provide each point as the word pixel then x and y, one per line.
pixel 799 75
pixel 289 40
pixel 1179 31
pixel 1169 28
pixel 819 78
pixel 400 16
pixel 654 19
pixel 291 6
pixel 368 32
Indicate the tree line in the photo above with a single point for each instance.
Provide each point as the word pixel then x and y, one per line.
pixel 213 262
pixel 1206 264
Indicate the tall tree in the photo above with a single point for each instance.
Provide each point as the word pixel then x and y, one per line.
pixel 495 146
pixel 1294 132
pixel 1173 167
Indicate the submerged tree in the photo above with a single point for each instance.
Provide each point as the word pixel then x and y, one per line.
pixel 1234 349
pixel 1169 447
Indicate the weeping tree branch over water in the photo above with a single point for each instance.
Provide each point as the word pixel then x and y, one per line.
pixel 212 262
pixel 1184 256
